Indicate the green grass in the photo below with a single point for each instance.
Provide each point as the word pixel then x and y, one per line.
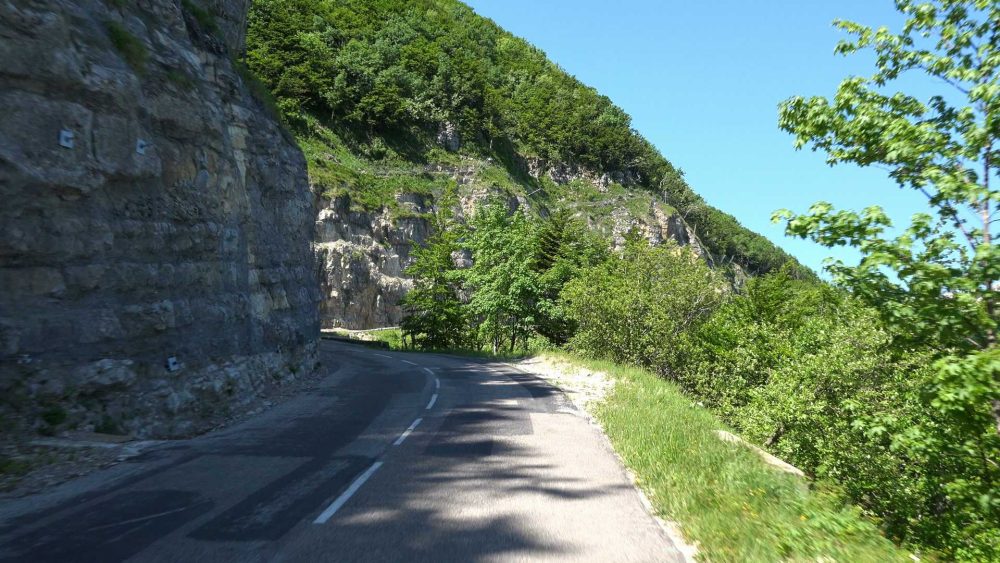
pixel 726 500
pixel 341 164
pixel 130 47
pixel 498 177
pixel 438 155
pixel 371 192
pixel 393 337
pixel 204 18
pixel 639 205
pixel 388 339
pixel 13 467
pixel 372 185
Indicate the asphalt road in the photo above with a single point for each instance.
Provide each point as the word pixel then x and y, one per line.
pixel 496 466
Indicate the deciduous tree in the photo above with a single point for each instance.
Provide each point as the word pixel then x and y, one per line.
pixel 935 282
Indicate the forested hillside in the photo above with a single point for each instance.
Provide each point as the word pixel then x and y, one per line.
pixel 370 86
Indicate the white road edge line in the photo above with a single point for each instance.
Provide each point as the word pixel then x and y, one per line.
pixel 433 400
pixel 381 355
pixel 346 496
pixel 437 383
pixel 407 432
pixel 429 372
pixel 408 362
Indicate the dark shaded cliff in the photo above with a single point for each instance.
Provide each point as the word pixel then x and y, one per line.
pixel 156 222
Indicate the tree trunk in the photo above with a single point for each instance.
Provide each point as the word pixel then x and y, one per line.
pixel 984 212
pixel 996 413
pixel 778 432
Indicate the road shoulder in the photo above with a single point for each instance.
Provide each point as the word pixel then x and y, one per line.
pixel 587 389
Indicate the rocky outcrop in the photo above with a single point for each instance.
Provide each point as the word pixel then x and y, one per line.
pixel 448 136
pixel 565 172
pixel 658 225
pixel 155 232
pixel 362 256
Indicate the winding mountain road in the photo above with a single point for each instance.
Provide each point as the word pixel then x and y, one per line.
pixel 390 457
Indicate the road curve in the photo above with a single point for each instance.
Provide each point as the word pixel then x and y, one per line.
pixel 391 457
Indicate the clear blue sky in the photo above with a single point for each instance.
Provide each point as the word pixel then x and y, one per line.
pixel 702 81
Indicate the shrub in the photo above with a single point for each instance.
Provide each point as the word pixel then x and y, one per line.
pixel 814 375
pixel 636 307
pixel 131 48
pixel 204 18
pixel 54 416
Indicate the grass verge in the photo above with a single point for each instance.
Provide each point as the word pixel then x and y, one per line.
pixel 726 500
pixel 391 338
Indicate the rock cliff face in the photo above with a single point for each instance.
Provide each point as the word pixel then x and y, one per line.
pixel 155 230
pixel 361 256
pixel 563 173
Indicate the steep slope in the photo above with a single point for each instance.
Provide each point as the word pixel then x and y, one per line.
pixel 399 102
pixel 155 232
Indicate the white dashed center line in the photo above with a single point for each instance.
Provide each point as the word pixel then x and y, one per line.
pixel 407 432
pixel 346 496
pixel 360 481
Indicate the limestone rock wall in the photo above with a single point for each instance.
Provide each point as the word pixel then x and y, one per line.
pixel 361 257
pixel 155 223
pixel 658 225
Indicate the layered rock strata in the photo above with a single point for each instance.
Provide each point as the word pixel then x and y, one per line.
pixel 155 230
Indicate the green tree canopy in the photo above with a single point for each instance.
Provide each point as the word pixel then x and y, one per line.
pixel 502 279
pixel 637 306
pixel 935 282
pixel 434 314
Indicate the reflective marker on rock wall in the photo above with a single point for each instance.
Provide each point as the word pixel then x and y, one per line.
pixel 66 139
pixel 172 364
